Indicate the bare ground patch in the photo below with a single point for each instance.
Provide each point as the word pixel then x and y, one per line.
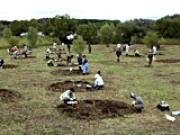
pixel 96 109
pixel 67 72
pixel 77 85
pixel 169 61
pixel 9 66
pixel 8 95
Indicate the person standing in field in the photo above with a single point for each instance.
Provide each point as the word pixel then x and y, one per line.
pixel 150 58
pixel 89 48
pixel 118 52
pixel 127 49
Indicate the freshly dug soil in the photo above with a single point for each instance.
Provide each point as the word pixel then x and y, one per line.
pixel 96 109
pixel 169 61
pixel 66 85
pixel 65 65
pixel 8 95
pixel 28 57
pixel 67 72
pixel 9 66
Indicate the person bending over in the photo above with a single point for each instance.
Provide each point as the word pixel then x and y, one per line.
pixel 99 83
pixel 138 103
pixel 68 97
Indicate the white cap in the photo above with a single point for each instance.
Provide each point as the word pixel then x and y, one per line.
pixel 118 45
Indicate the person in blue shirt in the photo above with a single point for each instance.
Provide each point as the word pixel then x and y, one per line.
pixel 85 65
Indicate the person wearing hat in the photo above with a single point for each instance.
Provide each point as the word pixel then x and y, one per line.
pixel 68 97
pixel 138 103
pixel 118 52
pixel 99 83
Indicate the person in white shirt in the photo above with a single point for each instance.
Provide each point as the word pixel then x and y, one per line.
pixel 68 97
pixel 62 46
pixel 99 83
pixel 54 46
pixel 154 50
pixel 127 49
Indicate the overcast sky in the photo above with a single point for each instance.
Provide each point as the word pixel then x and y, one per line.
pixel 89 9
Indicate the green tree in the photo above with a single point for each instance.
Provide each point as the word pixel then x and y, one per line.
pixel 32 36
pixel 79 45
pixel 151 39
pixel 88 32
pixel 63 26
pixel 13 41
pixel 18 27
pixel 107 34
pixel 7 33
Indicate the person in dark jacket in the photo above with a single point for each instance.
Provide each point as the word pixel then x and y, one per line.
pixel 118 52
pixel 1 63
pixel 150 58
pixel 89 48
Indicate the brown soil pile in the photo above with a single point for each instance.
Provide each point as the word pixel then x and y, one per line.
pixel 28 57
pixel 8 95
pixel 9 66
pixel 65 65
pixel 77 85
pixel 67 72
pixel 96 109
pixel 169 61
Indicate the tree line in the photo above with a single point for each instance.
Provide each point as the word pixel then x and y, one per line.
pixel 95 31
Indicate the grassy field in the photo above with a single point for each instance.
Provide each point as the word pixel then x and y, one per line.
pixel 35 113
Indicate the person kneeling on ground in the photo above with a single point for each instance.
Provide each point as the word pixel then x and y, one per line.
pixel 137 103
pixel 1 63
pixel 85 66
pixel 69 59
pixel 24 51
pixel 68 97
pixel 163 106
pixel 136 53
pixel 50 63
pixel 99 83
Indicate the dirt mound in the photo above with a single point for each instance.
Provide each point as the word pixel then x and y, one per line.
pixel 96 109
pixel 8 95
pixel 65 65
pixel 9 66
pixel 67 72
pixel 169 61
pixel 77 85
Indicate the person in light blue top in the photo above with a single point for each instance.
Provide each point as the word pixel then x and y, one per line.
pixel 85 66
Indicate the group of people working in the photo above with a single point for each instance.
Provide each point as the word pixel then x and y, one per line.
pixel 150 56
pixel 120 49
pixel 15 52
pixel 69 98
